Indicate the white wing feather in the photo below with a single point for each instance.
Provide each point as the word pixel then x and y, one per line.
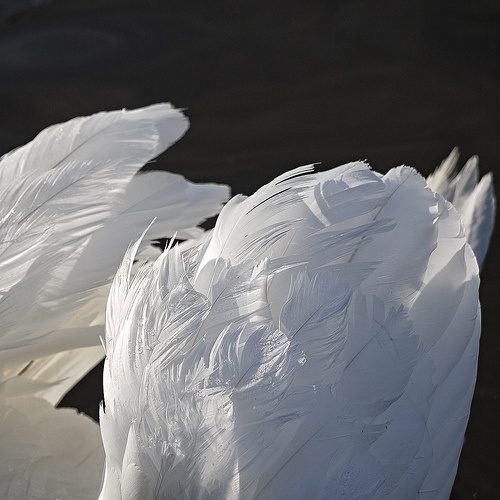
pixel 54 211
pixel 45 452
pixel 307 349
pixel 474 199
pixel 71 203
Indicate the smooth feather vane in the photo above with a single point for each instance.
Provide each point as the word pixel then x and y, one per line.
pixel 473 198
pixel 70 217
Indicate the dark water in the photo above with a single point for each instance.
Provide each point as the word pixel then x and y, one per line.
pixel 270 86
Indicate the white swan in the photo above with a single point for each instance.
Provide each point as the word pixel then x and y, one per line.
pixel 71 200
pixel 320 343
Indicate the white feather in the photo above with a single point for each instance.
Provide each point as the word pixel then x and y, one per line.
pixel 57 373
pixel 44 452
pixel 71 206
pixel 71 203
pixel 318 344
pixel 474 199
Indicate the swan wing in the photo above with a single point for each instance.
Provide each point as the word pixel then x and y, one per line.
pixel 306 348
pixel 72 206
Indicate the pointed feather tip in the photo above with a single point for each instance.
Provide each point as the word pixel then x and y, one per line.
pixel 296 172
pixel 487 181
pixel 447 170
pixel 171 122
pixel 159 111
pixel 452 158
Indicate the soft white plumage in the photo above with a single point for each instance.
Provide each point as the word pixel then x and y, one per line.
pixel 321 343
pixel 72 199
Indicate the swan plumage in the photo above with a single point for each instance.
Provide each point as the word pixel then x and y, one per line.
pixel 71 201
pixel 321 342
pixel 66 197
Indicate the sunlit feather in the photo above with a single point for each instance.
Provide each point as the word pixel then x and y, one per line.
pixel 320 343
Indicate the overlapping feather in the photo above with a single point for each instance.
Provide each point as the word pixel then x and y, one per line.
pixel 69 218
pixel 82 209
pixel 72 200
pixel 305 350
pixel 473 198
pixel 45 453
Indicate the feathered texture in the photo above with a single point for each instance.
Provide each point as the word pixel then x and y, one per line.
pixel 320 343
pixel 473 198
pixel 71 201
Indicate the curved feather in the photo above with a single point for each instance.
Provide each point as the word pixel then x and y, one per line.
pixel 57 373
pixel 85 169
pixel 318 344
pixel 71 205
pixel 91 139
pixel 45 452
pixel 474 199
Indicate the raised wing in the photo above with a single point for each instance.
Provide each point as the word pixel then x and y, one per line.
pixel 71 204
